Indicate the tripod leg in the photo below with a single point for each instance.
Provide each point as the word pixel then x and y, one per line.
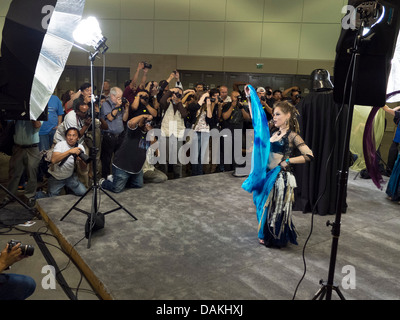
pixel 118 204
pixel 76 203
pixel 320 293
pixel 341 296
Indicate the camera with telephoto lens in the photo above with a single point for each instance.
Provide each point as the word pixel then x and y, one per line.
pixel 84 157
pixel 147 65
pixel 26 249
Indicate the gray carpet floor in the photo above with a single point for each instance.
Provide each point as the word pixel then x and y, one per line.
pixel 196 238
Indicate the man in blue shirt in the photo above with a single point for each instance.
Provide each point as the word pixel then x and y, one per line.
pixel 114 112
pixel 49 127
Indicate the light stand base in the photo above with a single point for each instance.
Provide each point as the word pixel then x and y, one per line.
pixel 94 211
pixel 320 295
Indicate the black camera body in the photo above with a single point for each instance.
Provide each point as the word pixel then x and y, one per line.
pixel 84 157
pixel 147 65
pixel 26 249
pixel 178 95
pixel 145 98
pixel 124 101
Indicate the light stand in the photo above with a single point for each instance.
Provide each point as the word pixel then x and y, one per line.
pixel 329 286
pixel 94 214
pixel 33 210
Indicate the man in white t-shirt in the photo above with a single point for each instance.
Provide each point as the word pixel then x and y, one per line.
pixel 78 118
pixel 62 172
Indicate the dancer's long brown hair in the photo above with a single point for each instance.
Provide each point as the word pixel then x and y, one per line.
pixel 286 107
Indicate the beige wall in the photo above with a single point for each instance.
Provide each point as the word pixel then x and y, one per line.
pixel 286 36
pixel 289 29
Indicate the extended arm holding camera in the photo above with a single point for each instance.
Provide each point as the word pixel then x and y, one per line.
pixel 288 90
pixel 60 156
pixel 139 120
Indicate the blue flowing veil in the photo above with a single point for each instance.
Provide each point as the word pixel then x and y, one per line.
pixel 260 181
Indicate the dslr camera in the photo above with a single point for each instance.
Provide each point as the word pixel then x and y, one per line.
pixel 26 249
pixel 124 101
pixel 145 98
pixel 211 99
pixel 147 65
pixel 178 95
pixel 84 157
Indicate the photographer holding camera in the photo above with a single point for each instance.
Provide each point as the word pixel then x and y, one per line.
pixel 15 286
pixel 62 169
pixel 142 104
pixel 131 86
pixel 127 168
pixel 265 102
pixel 79 118
pixel 173 126
pixel 295 95
pixel 205 116
pixel 234 114
pixel 114 111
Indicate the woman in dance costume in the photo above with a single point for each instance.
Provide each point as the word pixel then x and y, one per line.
pixel 271 180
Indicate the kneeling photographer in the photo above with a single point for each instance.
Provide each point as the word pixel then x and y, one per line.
pixel 15 286
pixel 128 162
pixel 65 156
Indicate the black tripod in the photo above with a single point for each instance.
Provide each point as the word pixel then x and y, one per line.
pixel 329 286
pixel 94 214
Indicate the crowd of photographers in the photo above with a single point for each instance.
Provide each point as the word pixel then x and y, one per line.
pixel 66 152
